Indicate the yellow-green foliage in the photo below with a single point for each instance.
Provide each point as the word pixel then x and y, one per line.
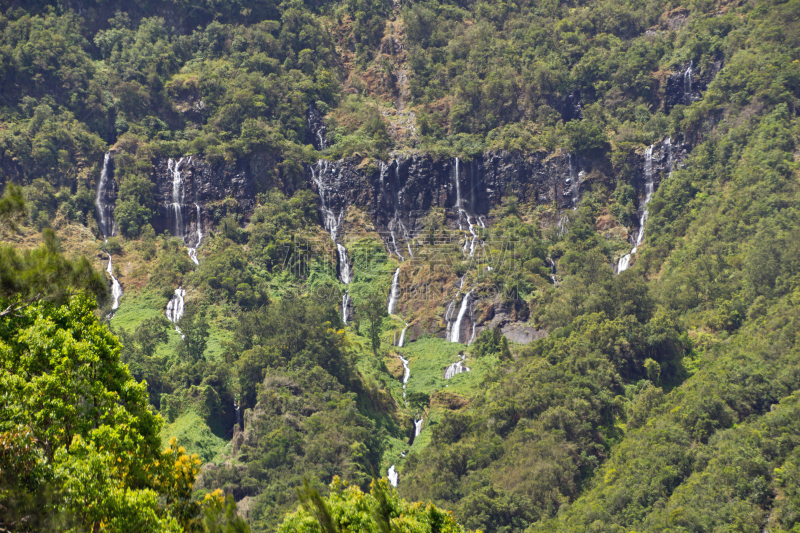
pixel 347 508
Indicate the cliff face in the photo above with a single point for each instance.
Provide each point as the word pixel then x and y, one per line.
pixel 687 84
pixel 399 193
pixel 187 188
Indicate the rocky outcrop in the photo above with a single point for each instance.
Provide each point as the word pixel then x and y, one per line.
pixel 687 84
pixel 196 183
pixel 397 194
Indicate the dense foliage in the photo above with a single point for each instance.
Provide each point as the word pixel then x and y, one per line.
pixel 661 398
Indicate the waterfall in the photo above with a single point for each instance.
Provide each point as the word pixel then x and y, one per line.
pixel 649 188
pixel 406 373
pixel 394 292
pixel 474 236
pixel 329 219
pixel 394 243
pixel 238 416
pixel 175 308
pixel 177 194
pixel 648 191
pixel 402 340
pixel 392 476
pixel 575 189
pixel 344 264
pixel 458 196
pixel 417 427
pixel 625 261
pixel 104 200
pixel 553 271
pixel 687 85
pixel 116 288
pixel 448 314
pixel 456 331
pixel 456 368
pixel 193 251
pixel 345 303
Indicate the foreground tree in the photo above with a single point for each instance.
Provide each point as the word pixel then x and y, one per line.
pixel 380 511
pixel 79 446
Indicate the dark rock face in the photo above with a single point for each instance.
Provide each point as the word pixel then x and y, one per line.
pixel 687 84
pixel 398 193
pixel 316 128
pixel 196 183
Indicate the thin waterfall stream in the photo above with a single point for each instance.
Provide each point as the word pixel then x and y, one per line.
pixel 649 188
pixel 104 202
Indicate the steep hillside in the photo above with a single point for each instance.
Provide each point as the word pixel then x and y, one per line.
pixel 536 263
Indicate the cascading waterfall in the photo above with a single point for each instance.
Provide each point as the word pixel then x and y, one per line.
pixel 177 194
pixel 175 308
pixel 648 191
pixel 649 188
pixel 238 410
pixel 392 476
pixel 456 368
pixel 105 206
pixel 345 304
pixel 393 292
pixel 105 212
pixel 331 223
pixel 553 271
pixel 417 427
pixel 456 331
pixel 329 219
pixel 176 207
pixel 687 85
pixel 193 251
pixel 576 183
pixel 344 264
pixel 116 288
pixel 402 340
pixel 448 314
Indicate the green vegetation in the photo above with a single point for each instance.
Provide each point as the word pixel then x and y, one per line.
pixel 664 398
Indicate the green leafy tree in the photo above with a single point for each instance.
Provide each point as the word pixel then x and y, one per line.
pixel 373 309
pixel 347 508
pixel 92 438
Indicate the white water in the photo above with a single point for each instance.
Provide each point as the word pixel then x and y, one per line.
pixel 193 251
pixel 393 292
pixel 330 221
pixel 456 368
pixel 345 303
pixel 116 288
pixel 448 314
pixel 104 210
pixel 392 476
pixel 687 85
pixel 406 373
pixel 649 188
pixel 417 427
pixel 402 340
pixel 396 250
pixel 344 264
pixel 625 261
pixel 576 184
pixel 553 271
pixel 455 334
pixel 238 416
pixel 177 194
pixel 175 308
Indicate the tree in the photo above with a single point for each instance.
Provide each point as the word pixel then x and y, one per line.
pixel 78 429
pixel 347 508
pixel 374 309
pixel 43 273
